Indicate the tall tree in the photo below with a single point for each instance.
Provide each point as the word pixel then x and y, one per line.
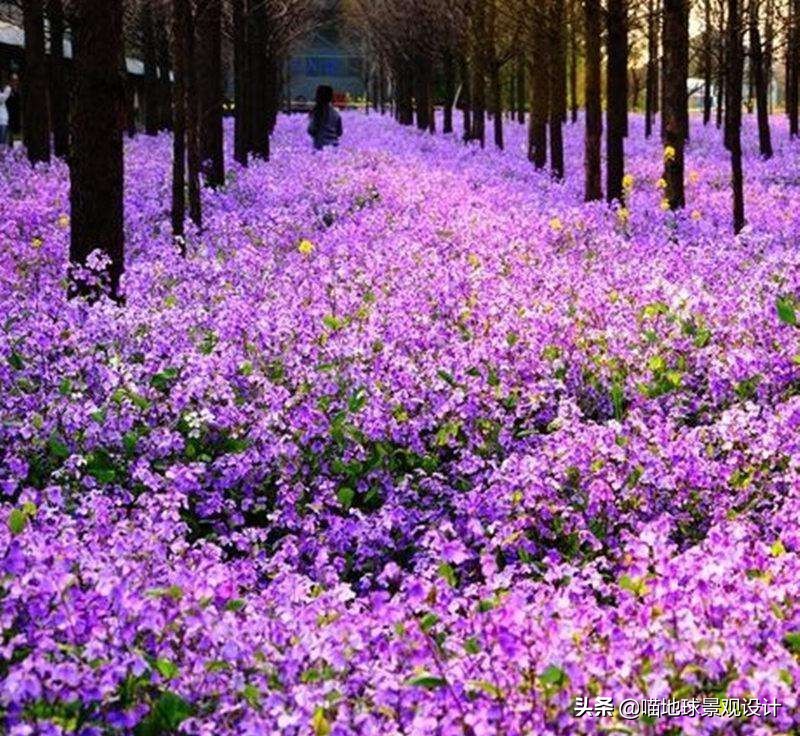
pixel 616 96
pixel 675 35
pixel 479 73
pixel 651 78
pixel 36 130
pixel 210 92
pixel 151 101
pixel 96 160
pixel 540 90
pixel 240 56
pixel 59 92
pixel 708 54
pixel 181 21
pixel 733 119
pixel 760 80
pixel 558 86
pixel 592 94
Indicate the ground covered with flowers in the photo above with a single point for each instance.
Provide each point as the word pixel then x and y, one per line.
pixel 412 442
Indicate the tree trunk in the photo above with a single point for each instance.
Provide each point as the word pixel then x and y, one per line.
pixel 708 102
pixel 594 112
pixel 675 100
pixel 210 93
pixel 761 84
pixel 616 96
pixel 721 54
pixel 540 97
pixel 164 83
pixel 449 91
pixel 558 87
pixel 793 68
pixel 479 75
pixel 181 20
pixel 96 162
pixel 192 122
pixel 421 88
pixel 59 92
pixel 734 117
pixel 466 97
pixel 651 91
pixel 151 102
pixel 574 27
pixel 519 81
pixel 258 82
pixel 239 83
pixel 36 117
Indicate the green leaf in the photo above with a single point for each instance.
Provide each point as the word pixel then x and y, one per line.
pixel 786 310
pixel 237 604
pixel 346 497
pixel 429 682
pixel 471 646
pixel 100 466
pixel 57 448
pixel 554 678
pixel 792 642
pixel 163 381
pixel 15 361
pixel 17 521
pixel 168 670
pixel 319 723
pixel 447 572
pixel 252 695
pixel 65 387
pixel 166 715
pixel 428 621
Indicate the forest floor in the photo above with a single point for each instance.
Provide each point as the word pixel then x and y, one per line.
pixel 412 442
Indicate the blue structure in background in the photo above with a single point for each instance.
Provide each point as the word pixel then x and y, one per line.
pixel 324 59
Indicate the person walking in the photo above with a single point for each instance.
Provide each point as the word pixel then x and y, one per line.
pixel 325 125
pixel 5 93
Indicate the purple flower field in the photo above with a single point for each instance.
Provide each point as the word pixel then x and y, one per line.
pixel 412 442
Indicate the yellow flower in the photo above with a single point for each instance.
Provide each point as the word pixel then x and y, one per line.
pixel 694 177
pixel 555 225
pixel 627 181
pixel 696 216
pixel 474 261
pixel 63 222
pixel 669 153
pixel 661 183
pixel 623 215
pixel 665 204
pixel 37 243
pixel 306 247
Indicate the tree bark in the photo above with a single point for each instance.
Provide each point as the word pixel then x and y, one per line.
pixel 651 87
pixel 675 100
pixel 180 21
pixel 151 101
pixel 734 117
pixel 540 95
pixel 449 91
pixel 239 83
pixel 761 83
pixel 192 122
pixel 59 92
pixel 558 87
pixel 164 83
pixel 793 68
pixel 479 74
pixel 616 96
pixel 594 113
pixel 96 162
pixel 258 82
pixel 708 102
pixel 210 93
pixel 574 27
pixel 36 116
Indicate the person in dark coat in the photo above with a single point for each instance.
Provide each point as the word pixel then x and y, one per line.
pixel 325 124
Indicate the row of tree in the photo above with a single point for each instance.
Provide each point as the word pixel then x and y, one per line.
pixel 80 111
pixel 488 57
pixel 536 60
